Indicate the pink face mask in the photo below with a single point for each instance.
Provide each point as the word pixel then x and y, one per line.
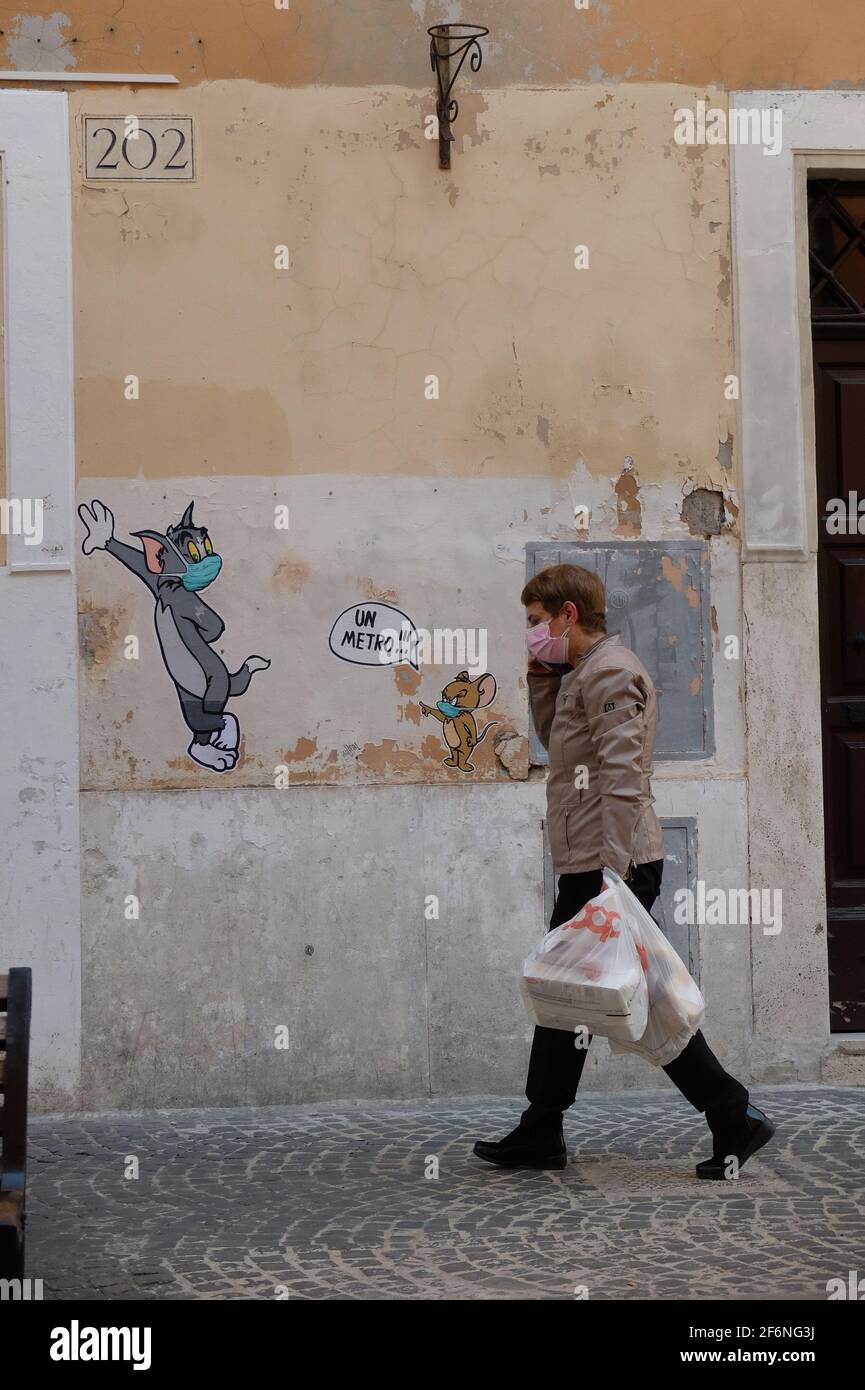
pixel 545 646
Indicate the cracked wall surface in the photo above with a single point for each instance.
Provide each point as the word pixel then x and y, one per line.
pixel 558 388
pixel 321 368
pixel 382 42
pixel 306 388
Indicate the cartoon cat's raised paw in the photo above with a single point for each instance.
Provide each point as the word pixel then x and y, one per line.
pixel 209 756
pixel 99 525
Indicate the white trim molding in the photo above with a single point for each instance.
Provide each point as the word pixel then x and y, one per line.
pixel 39 771
pixel 772 313
pixel 131 79
pixel 37 246
pixel 772 317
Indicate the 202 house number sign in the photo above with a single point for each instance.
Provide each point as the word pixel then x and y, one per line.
pixel 138 147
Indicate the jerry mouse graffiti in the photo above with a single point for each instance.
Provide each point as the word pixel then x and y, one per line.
pixel 176 566
pixel 455 710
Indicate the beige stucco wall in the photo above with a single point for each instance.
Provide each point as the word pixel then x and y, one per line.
pixel 558 387
pixel 304 42
pixel 260 387
pixel 399 271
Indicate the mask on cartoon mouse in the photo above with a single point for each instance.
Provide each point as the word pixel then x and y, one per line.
pixel 449 710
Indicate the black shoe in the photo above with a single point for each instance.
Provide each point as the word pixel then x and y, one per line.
pixel 741 1143
pixel 527 1146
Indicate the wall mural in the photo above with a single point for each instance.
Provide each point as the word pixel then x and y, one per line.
pixel 454 710
pixel 175 567
pixel 360 635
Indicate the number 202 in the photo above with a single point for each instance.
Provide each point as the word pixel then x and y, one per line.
pixel 124 149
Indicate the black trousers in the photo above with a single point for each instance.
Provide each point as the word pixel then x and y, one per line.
pixel 556 1065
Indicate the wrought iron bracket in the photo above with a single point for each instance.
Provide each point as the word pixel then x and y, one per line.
pixel 450 43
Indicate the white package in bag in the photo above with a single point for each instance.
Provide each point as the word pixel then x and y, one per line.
pixel 588 972
pixel 676 1006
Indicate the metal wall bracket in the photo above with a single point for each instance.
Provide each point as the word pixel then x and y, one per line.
pixel 449 42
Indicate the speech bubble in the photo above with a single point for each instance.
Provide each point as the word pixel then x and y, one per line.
pixel 375 634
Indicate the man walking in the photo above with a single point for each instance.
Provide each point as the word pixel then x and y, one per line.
pixel 595 711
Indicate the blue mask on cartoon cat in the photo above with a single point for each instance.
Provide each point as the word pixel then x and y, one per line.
pixel 202 573
pixel 447 709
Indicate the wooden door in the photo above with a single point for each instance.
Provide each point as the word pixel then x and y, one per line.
pixel 839 387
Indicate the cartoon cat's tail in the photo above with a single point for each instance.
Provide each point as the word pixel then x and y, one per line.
pixel 240 680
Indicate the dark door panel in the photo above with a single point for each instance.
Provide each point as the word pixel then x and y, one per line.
pixel 842 582
pixel 845 763
pixel 839 389
pixel 846 966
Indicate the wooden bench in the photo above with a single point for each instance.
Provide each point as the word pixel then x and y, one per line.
pixel 15 990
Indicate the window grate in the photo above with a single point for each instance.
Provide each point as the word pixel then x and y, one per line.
pixel 836 250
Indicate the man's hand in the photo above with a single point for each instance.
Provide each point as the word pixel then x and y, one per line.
pixel 624 875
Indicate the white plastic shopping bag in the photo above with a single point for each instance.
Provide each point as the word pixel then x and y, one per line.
pixel 676 1006
pixel 587 973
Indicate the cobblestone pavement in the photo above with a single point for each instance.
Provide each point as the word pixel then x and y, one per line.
pixel 332 1201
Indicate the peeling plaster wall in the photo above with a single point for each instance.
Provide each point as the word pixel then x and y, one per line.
pixel 398 272
pixel 315 41
pixel 236 882
pixel 558 388
pixel 184 1003
pixel 451 559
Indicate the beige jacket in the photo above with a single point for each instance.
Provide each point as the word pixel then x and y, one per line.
pixel 601 717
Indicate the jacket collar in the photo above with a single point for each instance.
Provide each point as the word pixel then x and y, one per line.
pixel 611 637
pixel 571 674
